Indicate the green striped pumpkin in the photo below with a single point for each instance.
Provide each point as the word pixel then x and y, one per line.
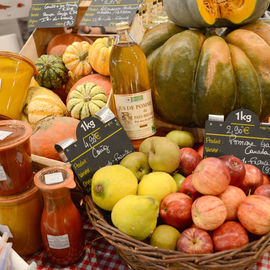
pixel 53 72
pixel 86 100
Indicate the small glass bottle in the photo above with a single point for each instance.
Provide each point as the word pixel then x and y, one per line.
pixel 132 95
pixel 61 224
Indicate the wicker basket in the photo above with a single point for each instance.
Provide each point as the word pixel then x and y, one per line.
pixel 142 256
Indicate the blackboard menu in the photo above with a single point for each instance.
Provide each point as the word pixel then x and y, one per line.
pixel 110 12
pixel 52 13
pixel 241 135
pixel 98 144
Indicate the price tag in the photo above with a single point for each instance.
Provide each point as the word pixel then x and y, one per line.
pixel 110 12
pixel 53 13
pixel 53 178
pixel 3 176
pixel 98 144
pixel 4 134
pixel 241 135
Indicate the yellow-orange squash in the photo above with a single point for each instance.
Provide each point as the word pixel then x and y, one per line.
pixel 75 58
pixel 99 54
pixel 41 102
pixel 205 13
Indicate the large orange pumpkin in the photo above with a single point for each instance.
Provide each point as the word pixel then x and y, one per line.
pixel 98 79
pixel 52 130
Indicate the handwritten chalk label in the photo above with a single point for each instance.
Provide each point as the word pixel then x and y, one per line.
pixel 98 144
pixel 59 241
pixel 4 134
pixel 53 178
pixel 241 135
pixel 5 228
pixel 110 12
pixel 53 13
pixel 3 176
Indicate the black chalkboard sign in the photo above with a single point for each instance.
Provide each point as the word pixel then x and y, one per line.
pixel 98 144
pixel 110 12
pixel 52 13
pixel 241 135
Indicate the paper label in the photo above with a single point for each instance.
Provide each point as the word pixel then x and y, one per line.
pixel 4 134
pixel 53 178
pixel 5 228
pixel 3 176
pixel 136 114
pixel 59 241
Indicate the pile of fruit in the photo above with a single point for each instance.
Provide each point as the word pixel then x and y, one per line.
pixel 169 196
pixel 73 79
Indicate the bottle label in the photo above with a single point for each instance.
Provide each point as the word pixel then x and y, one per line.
pixel 136 114
pixel 4 134
pixel 53 178
pixel 59 241
pixel 3 176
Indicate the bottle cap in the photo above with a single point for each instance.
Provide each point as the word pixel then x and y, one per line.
pixel 122 26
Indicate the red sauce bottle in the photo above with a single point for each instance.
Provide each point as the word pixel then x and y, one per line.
pixel 61 224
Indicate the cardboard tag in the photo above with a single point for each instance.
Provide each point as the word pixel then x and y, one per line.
pixel 98 144
pixel 110 12
pixel 4 134
pixel 53 13
pixel 241 135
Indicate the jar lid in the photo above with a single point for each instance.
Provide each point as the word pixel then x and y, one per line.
pixel 52 178
pixel 122 26
pixel 13 133
pixel 19 197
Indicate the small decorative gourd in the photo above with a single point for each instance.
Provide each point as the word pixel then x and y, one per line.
pixel 99 55
pixel 86 100
pixel 53 73
pixel 75 58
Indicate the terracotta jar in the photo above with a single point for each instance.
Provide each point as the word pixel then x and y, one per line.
pixel 61 224
pixel 21 214
pixel 15 157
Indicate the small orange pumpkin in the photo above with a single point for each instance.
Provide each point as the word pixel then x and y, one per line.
pixel 75 58
pixel 52 130
pixel 99 54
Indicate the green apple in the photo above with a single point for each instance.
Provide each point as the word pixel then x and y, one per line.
pixel 165 237
pixel 162 153
pixel 137 163
pixel 179 179
pixel 181 138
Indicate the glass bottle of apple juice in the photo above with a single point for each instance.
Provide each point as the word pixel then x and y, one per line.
pixel 131 87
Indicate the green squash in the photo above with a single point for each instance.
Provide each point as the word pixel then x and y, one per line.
pixel 53 72
pixel 214 13
pixel 86 100
pixel 193 76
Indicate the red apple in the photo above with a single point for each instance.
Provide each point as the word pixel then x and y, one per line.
pixel 211 176
pixel 253 179
pixel 232 198
pixel 229 235
pixel 236 168
pixel 175 210
pixel 254 214
pixel 195 241
pixel 189 160
pixel 266 179
pixel 208 212
pixel 200 151
pixel 188 188
pixel 263 190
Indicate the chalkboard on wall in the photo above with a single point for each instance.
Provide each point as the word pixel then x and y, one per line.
pixel 241 135
pixel 52 13
pixel 98 144
pixel 110 12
